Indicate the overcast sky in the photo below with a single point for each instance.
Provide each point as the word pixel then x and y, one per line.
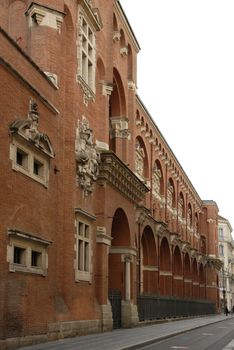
pixel 186 81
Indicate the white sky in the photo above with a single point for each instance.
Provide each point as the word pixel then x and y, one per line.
pixel 186 81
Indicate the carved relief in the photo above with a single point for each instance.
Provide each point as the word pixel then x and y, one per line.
pixel 87 157
pixel 28 129
pixel 119 128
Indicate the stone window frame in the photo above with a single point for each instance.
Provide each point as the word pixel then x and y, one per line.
pixel 221 250
pixel 83 264
pixel 34 156
pixel 221 233
pixel 28 244
pixel 86 54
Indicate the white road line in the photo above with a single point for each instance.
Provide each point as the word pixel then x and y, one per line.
pixel 179 347
pixel 229 346
pixel 207 333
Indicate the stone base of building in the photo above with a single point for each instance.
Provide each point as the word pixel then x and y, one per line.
pixel 129 314
pixel 107 320
pixel 55 331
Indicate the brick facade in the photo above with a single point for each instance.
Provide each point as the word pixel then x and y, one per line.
pixel 93 197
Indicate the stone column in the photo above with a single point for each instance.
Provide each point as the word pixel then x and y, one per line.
pixel 103 244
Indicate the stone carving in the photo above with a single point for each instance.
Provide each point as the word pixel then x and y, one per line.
pixel 87 157
pixel 139 160
pixel 28 129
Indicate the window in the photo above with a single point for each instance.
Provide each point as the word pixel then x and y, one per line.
pixel 89 22
pixel 83 250
pixel 36 258
pixel 27 253
pixel 221 250
pixel 221 233
pixel 21 158
pixel 19 255
pixel 83 247
pixel 29 161
pixel 87 54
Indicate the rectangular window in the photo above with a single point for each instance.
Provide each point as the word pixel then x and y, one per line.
pixel 87 54
pixel 19 256
pixel 21 158
pixel 220 233
pixel 36 258
pixel 83 251
pixel 221 250
pixel 38 168
pixel 30 162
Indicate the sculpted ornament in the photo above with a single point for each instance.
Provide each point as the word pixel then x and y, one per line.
pixel 87 157
pixel 28 129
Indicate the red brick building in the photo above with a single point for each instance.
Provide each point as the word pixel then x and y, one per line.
pixel 100 226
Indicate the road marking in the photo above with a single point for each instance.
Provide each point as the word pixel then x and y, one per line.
pixel 179 347
pixel 207 333
pixel 229 346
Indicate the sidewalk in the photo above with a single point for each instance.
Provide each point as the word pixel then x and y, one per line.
pixel 128 339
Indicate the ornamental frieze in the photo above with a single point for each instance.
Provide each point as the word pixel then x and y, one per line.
pixel 87 157
pixel 118 175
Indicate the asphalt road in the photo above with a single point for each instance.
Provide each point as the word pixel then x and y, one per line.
pixel 217 336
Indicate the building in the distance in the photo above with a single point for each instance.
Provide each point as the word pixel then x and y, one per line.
pixel 100 226
pixel 226 255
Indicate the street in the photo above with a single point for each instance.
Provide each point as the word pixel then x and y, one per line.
pixel 217 336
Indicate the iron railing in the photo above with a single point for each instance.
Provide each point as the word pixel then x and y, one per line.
pixel 152 307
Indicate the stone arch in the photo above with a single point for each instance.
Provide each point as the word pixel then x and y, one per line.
pixel 141 158
pixel 187 276
pixel 177 272
pixel 149 261
pixel 17 23
pixel 165 268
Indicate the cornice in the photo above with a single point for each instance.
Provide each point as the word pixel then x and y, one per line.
pixel 119 10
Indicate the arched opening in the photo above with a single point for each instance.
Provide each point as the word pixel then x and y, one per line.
pixel 141 159
pixel 203 244
pixel 171 198
pixel 165 268
pixel 177 273
pixel 149 261
pixel 187 276
pixel 130 64
pixel 120 270
pixel 117 115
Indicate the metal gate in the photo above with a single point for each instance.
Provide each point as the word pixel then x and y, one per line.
pixel 115 300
